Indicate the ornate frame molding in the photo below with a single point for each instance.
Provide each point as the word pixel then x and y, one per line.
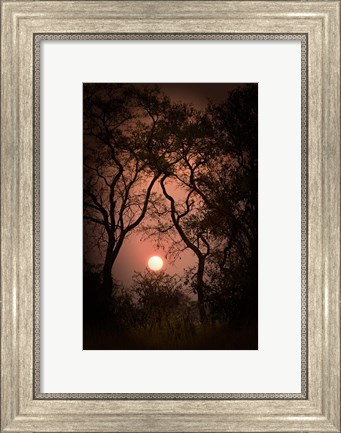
pixel 317 25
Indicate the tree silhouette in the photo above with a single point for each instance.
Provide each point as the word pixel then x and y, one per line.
pixel 182 216
pixel 125 140
pixel 188 223
pixel 217 216
pixel 233 205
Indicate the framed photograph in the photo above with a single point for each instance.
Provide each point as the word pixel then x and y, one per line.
pixel 170 216
pixel 160 177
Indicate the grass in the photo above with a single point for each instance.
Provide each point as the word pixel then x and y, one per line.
pixel 220 337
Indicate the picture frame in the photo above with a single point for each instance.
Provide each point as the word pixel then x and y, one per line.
pixel 23 409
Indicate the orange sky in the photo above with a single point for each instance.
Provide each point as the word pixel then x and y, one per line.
pixel 136 251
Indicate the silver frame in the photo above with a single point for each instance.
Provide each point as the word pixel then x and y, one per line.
pixel 24 24
pixel 304 198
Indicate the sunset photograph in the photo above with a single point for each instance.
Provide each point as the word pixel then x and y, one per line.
pixel 170 216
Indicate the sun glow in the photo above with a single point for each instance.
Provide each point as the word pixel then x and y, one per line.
pixel 155 263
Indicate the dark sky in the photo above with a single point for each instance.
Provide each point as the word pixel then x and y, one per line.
pixel 196 93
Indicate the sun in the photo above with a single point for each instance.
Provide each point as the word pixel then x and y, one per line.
pixel 155 263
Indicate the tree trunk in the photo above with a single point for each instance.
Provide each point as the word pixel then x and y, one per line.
pixel 107 268
pixel 200 289
pixel 110 257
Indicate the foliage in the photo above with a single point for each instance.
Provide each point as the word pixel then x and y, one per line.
pixel 162 304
